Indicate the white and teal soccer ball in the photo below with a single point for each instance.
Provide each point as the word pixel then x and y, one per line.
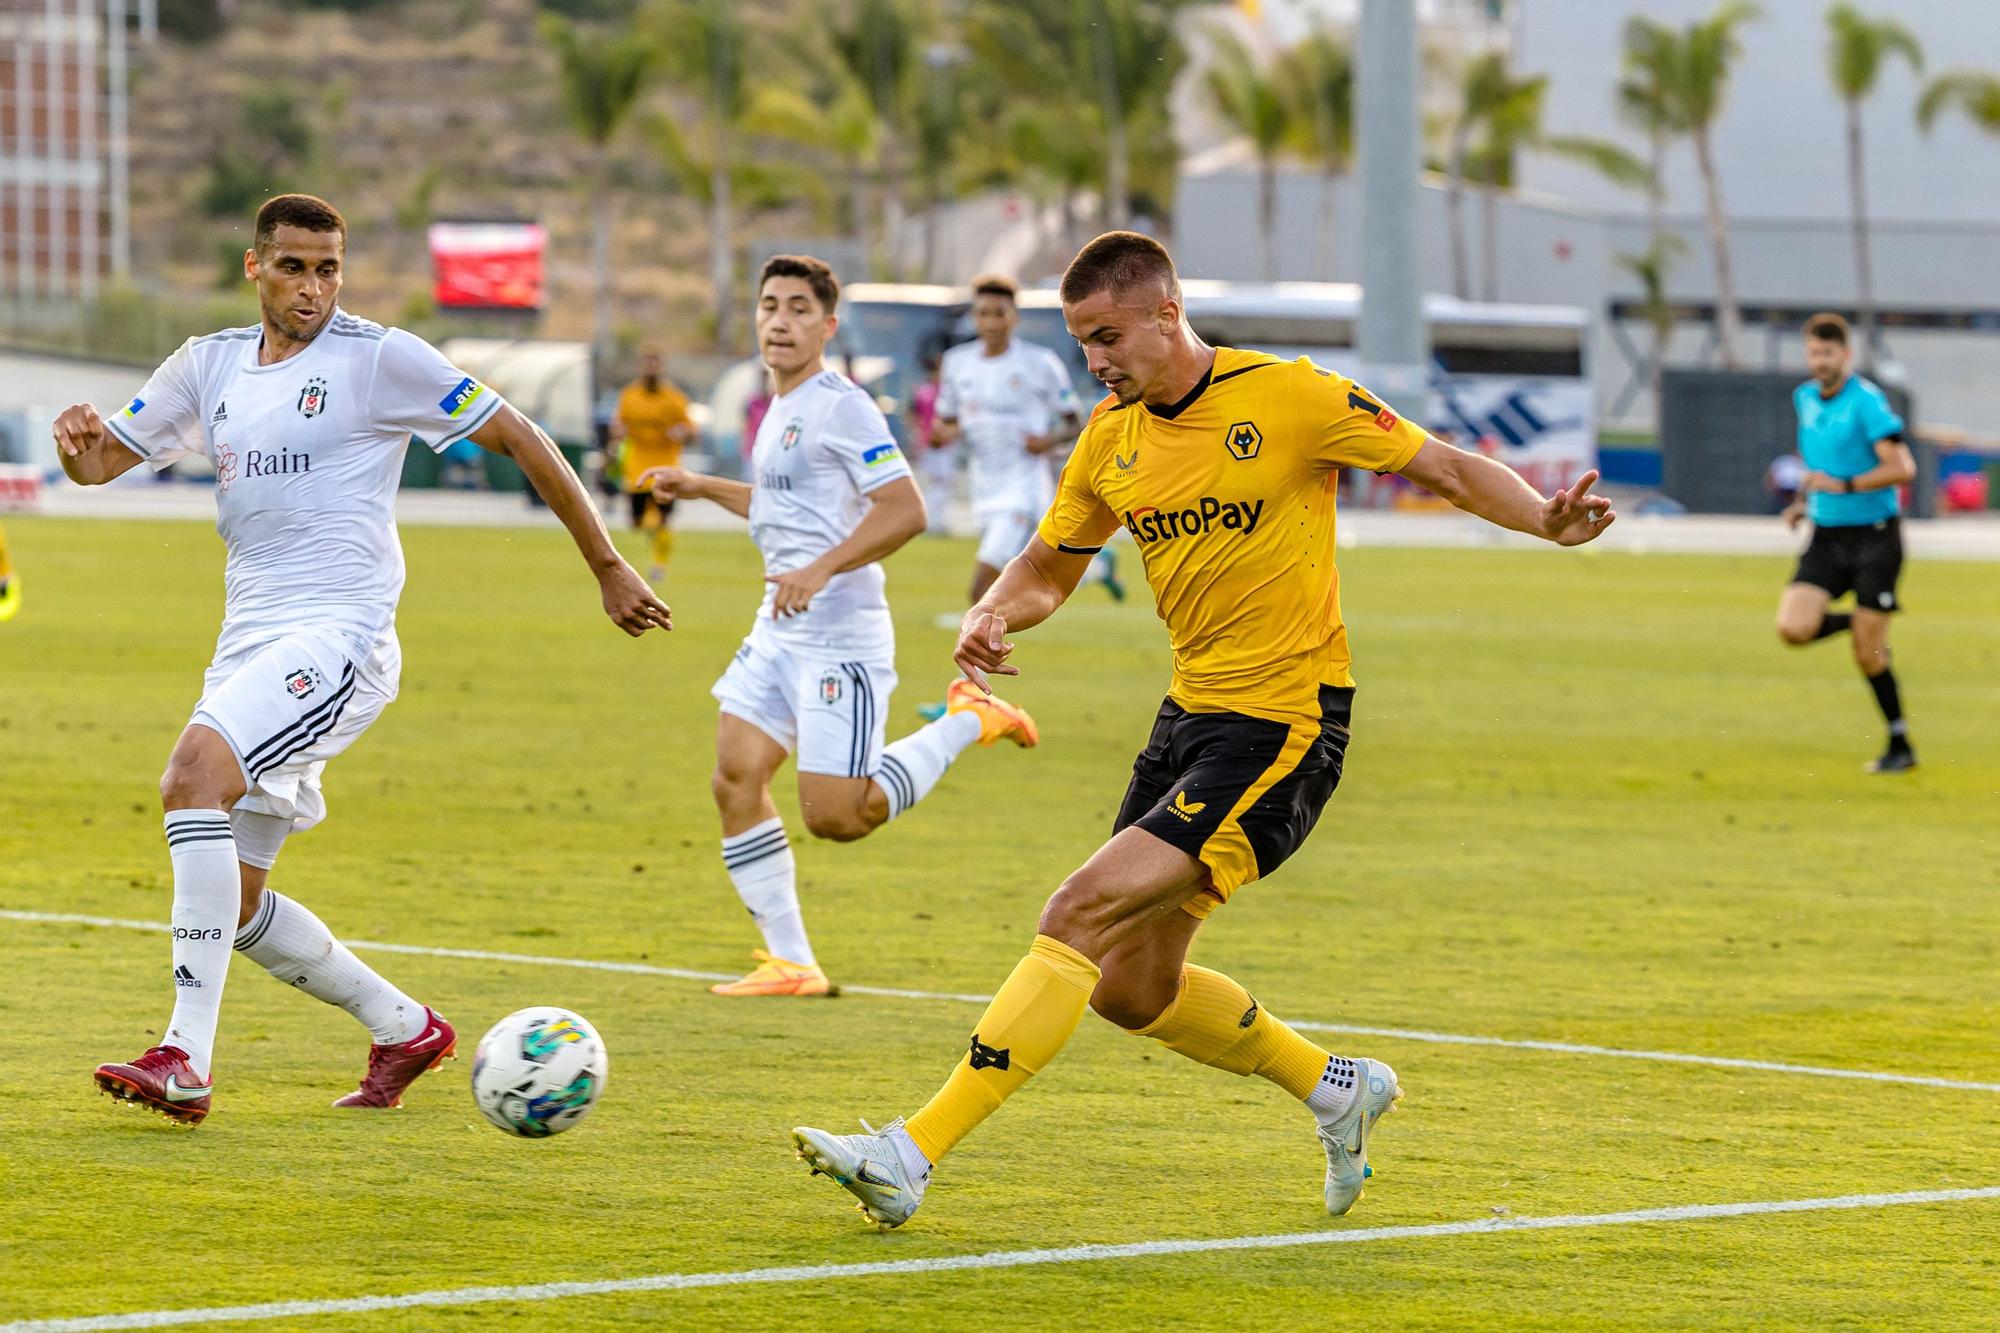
pixel 539 1071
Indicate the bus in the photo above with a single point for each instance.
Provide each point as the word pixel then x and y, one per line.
pixel 1513 380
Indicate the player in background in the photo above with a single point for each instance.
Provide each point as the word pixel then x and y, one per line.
pixel 653 423
pixel 306 416
pixel 1013 404
pixel 830 495
pixel 10 583
pixel 1856 458
pixel 1221 464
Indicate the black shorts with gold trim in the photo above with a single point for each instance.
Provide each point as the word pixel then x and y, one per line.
pixel 1237 793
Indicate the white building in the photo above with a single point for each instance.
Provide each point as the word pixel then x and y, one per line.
pixel 1934 200
pixel 64 151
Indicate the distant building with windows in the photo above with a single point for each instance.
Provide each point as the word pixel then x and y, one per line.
pixel 65 218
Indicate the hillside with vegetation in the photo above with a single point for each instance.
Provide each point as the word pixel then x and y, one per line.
pixel 669 123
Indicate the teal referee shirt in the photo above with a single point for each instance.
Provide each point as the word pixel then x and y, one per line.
pixel 1838 436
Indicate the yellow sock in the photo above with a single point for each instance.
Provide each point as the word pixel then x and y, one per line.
pixel 1022 1029
pixel 663 544
pixel 1215 1022
pixel 6 563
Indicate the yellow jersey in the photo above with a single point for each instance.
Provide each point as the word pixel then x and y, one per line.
pixel 648 418
pixel 1229 495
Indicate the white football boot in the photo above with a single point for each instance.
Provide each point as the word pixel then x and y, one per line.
pixel 872 1167
pixel 1345 1137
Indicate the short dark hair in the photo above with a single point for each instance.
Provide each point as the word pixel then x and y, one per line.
pixel 997 284
pixel 816 273
pixel 305 211
pixel 1827 327
pixel 1116 262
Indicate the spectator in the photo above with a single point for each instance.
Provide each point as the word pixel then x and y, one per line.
pixel 937 460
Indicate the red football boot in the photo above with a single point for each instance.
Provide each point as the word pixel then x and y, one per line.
pixel 391 1069
pixel 163 1079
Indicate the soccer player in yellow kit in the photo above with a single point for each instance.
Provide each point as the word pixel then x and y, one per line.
pixel 1221 464
pixel 652 419
pixel 10 582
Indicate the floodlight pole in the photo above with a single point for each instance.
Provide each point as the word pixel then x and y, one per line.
pixel 1392 339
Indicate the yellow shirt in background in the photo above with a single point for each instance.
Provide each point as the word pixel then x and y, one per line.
pixel 648 416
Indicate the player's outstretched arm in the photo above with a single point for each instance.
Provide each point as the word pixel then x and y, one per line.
pixel 90 454
pixel 1498 494
pixel 1028 591
pixel 895 514
pixel 677 483
pixel 627 600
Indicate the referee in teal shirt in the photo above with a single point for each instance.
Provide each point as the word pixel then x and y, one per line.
pixel 1856 457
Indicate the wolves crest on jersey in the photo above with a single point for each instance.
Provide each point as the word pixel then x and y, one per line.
pixel 1244 441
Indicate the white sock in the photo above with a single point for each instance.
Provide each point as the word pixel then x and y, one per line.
pixel 766 879
pixel 913 1159
pixel 1336 1091
pixel 912 766
pixel 295 946
pixel 207 892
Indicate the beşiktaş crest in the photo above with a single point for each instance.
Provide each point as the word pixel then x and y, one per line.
pixel 312 398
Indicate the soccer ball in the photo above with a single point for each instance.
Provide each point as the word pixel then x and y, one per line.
pixel 538 1072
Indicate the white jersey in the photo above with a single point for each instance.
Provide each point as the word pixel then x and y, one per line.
pixel 308 454
pixel 820 451
pixel 998 402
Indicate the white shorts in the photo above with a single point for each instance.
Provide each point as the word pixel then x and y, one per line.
pixel 288 706
pixel 1004 535
pixel 829 710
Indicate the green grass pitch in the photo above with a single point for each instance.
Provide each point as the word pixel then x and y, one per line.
pixel 1590 799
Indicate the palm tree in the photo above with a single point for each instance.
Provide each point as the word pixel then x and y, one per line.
pixel 836 120
pixel 1507 113
pixel 706 45
pixel 601 74
pixel 1058 161
pixel 1645 103
pixel 1251 101
pixel 940 122
pixel 877 46
pixel 1859 48
pixel 1317 76
pixel 1699 61
pixel 1972 91
pixel 1488 93
pixel 1651 268
pixel 1117 57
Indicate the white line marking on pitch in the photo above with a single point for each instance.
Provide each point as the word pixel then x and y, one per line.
pixel 1073 1254
pixel 1355 1029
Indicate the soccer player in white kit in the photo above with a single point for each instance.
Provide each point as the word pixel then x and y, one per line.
pixel 306 418
pixel 1013 404
pixel 830 495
